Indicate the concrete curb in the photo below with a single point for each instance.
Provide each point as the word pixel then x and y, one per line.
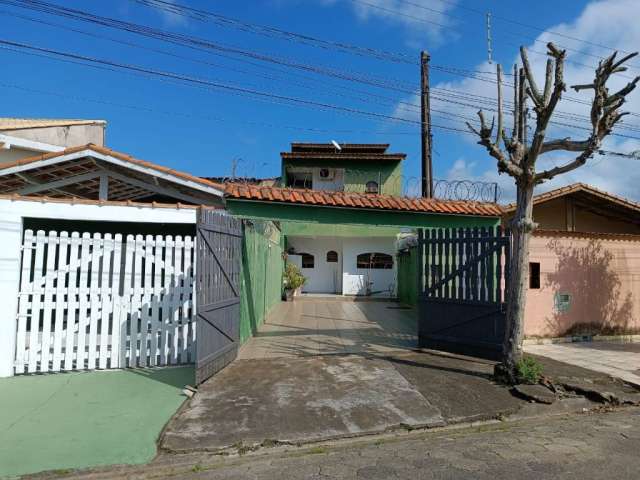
pixel 583 339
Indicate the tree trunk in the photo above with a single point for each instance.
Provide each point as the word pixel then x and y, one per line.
pixel 521 227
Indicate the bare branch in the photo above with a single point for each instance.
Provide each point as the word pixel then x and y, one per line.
pixel 472 128
pixel 514 134
pixel 623 92
pixel 616 66
pixel 565 144
pixel 544 114
pixel 585 86
pixel 533 91
pixel 548 82
pixel 504 164
pixel 578 162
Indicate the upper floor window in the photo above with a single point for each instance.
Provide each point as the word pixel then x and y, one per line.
pixel 372 187
pixel 307 260
pixel 332 256
pixel 300 180
pixel 375 260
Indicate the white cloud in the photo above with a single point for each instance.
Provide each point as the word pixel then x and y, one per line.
pixel 171 18
pixel 607 22
pixel 424 22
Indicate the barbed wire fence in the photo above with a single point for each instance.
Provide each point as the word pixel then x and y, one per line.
pixel 385 182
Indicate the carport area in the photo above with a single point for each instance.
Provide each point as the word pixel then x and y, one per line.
pixel 322 325
pixel 323 368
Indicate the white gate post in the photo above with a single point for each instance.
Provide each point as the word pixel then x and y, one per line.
pixel 10 255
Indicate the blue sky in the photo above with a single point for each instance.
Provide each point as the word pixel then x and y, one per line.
pixel 202 130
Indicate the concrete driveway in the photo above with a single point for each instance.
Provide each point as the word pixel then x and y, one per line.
pixel 313 326
pixel 322 369
pixel 619 360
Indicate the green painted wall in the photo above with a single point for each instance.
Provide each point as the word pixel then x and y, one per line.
pixel 328 221
pixel 358 173
pixel 407 281
pixel 262 268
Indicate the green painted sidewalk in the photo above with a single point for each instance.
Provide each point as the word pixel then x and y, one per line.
pixel 83 419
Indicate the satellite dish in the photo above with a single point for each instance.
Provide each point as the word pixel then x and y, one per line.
pixel 337 145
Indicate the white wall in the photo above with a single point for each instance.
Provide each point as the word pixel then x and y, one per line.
pixel 325 277
pixel 354 280
pixel 12 213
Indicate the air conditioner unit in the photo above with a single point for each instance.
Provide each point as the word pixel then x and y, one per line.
pixel 327 174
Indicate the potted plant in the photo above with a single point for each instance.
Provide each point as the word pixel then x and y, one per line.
pixel 293 281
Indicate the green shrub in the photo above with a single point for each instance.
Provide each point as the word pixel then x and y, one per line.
pixel 293 277
pixel 529 370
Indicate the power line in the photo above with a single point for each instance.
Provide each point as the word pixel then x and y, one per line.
pixel 192 115
pixel 340 75
pixel 202 82
pixel 273 32
pixel 204 45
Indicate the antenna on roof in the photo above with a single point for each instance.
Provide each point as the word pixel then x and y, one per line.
pixel 337 145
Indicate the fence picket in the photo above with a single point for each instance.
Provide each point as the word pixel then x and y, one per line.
pixel 126 318
pixel 26 287
pixel 176 301
pixel 48 305
pixel 155 300
pixel 186 300
pixel 105 301
pixel 167 313
pixel 60 304
pixel 36 305
pixel 136 306
pixel 72 303
pixel 94 298
pixel 116 305
pixel 145 302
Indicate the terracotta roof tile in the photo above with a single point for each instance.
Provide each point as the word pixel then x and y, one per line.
pixel 577 187
pixel 115 154
pixel 360 200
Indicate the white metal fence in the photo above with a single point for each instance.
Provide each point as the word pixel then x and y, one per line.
pixel 101 301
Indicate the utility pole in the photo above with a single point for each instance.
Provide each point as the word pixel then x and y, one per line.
pixel 427 168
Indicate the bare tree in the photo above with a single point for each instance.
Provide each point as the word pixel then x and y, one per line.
pixel 517 158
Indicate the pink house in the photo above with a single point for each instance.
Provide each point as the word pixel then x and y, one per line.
pixel 584 271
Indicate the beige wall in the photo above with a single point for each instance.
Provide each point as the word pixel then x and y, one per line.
pixel 70 136
pixel 601 273
pixel 561 214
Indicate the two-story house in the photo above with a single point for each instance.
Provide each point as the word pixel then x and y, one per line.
pixel 341 209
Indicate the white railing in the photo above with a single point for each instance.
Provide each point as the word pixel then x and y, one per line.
pixel 101 301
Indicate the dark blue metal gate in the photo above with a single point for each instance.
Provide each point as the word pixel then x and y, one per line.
pixel 219 263
pixel 461 290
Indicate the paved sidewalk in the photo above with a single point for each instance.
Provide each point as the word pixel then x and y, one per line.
pixel 580 447
pixel 619 360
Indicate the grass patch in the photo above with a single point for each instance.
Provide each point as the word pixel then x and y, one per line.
pixel 528 370
pixel 317 450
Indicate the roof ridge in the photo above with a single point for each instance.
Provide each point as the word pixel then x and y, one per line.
pixel 333 198
pixel 571 188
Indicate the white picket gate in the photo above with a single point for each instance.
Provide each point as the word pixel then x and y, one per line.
pixel 96 301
